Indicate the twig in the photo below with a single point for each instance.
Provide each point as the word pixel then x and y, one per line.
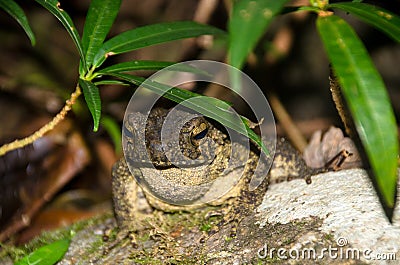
pixel 287 123
pixel 203 13
pixel 340 105
pixel 46 128
pixel 204 10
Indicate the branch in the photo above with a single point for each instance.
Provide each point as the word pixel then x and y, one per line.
pixel 46 128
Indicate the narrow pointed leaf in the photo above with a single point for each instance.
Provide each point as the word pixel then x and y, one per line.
pixel 134 66
pixel 46 255
pixel 110 82
pixel 18 14
pixel 92 98
pixel 248 22
pixel 150 35
pixel 148 65
pixel 99 19
pixel 386 21
pixel 172 93
pixel 366 96
pixel 114 131
pixel 208 106
pixel 54 7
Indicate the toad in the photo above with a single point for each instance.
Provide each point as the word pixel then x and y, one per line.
pixel 176 171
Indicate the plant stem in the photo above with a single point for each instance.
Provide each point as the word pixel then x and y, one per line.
pixel 46 128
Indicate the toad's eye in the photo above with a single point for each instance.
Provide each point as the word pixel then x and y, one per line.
pixel 199 132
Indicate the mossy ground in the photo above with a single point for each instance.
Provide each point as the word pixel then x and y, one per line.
pixel 180 238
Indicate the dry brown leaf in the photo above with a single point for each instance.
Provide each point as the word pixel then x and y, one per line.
pixel 320 151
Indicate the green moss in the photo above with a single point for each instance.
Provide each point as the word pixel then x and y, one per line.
pixel 48 237
pixel 329 237
pixel 147 260
pixel 12 252
pixel 205 227
pixel 228 239
pixel 288 241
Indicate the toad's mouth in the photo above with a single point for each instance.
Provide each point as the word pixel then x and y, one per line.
pixel 189 163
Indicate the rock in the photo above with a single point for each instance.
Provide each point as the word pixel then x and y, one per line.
pixel 348 206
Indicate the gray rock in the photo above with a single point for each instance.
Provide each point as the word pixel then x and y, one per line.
pixel 348 206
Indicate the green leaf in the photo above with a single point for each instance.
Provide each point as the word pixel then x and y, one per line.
pixel 248 22
pixel 99 19
pixel 14 10
pixel 134 66
pixel 172 93
pixel 211 107
pixel 92 98
pixel 366 96
pixel 54 7
pixel 387 22
pixel 46 255
pixel 114 130
pixel 150 35
pixel 110 82
pixel 147 65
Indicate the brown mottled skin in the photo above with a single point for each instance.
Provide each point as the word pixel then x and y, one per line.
pixel 129 199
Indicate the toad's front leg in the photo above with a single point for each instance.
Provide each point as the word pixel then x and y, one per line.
pixel 130 205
